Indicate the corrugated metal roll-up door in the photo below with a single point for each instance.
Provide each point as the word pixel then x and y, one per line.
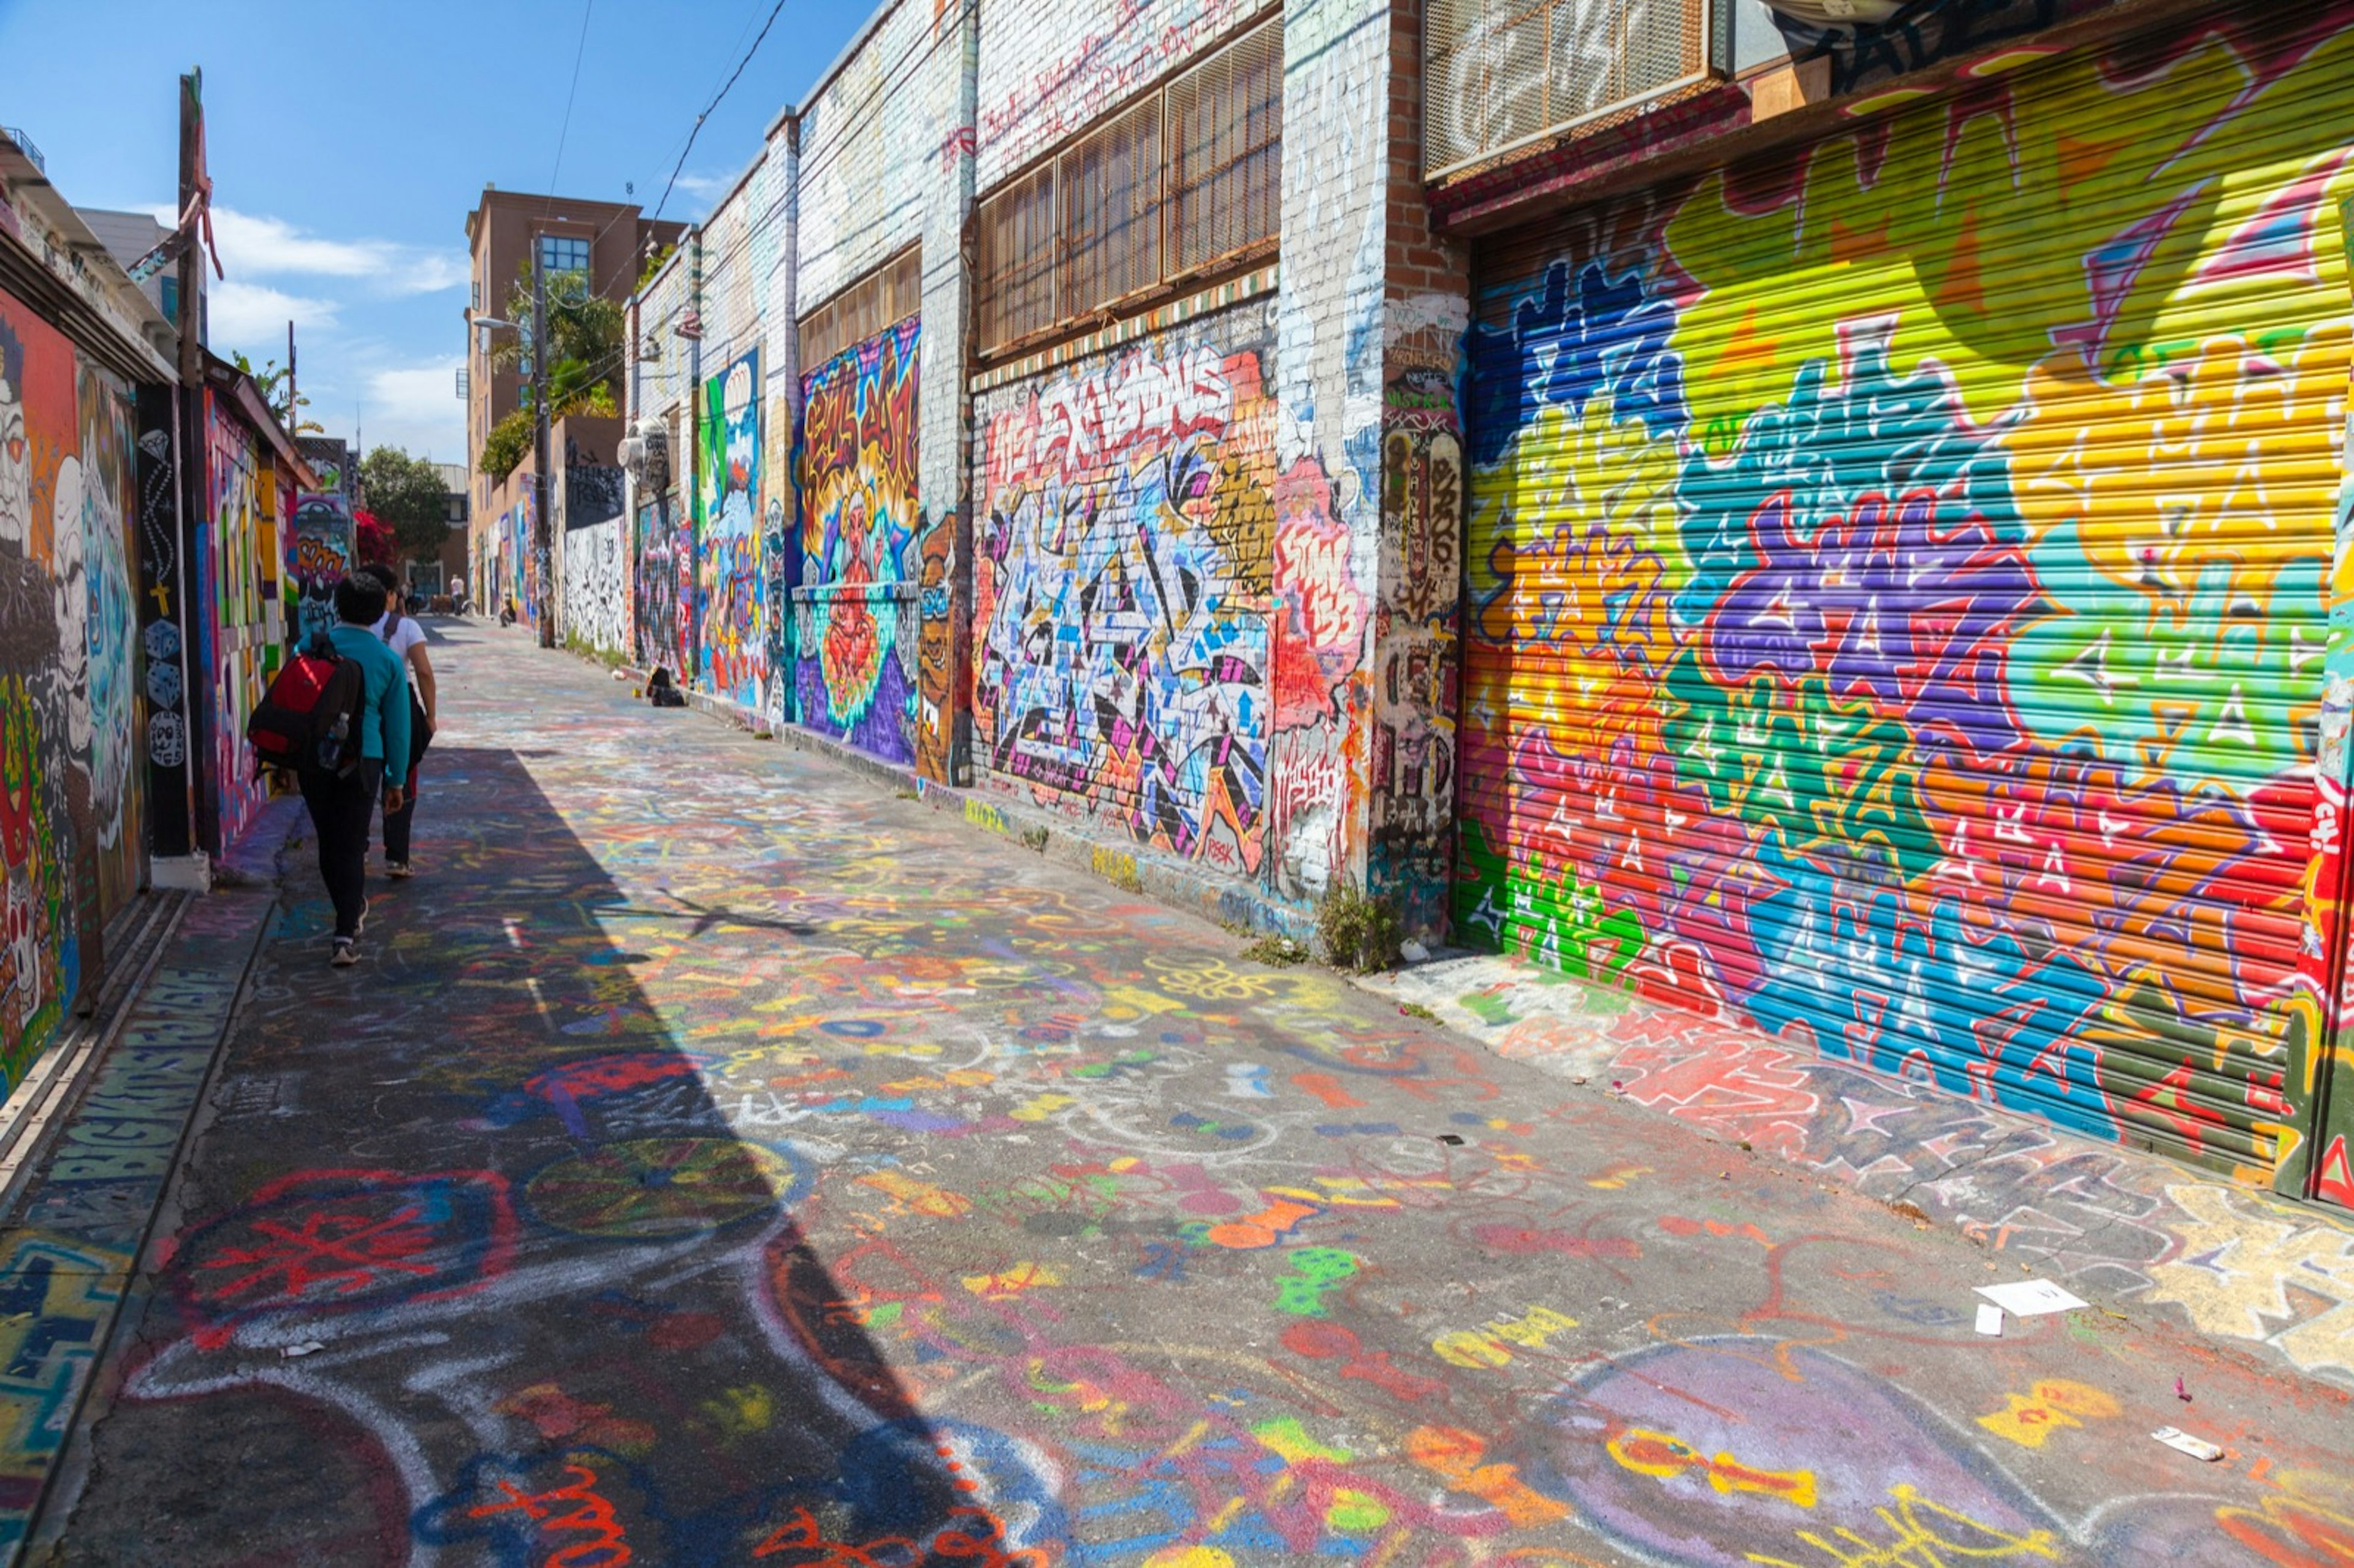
pixel 1897 598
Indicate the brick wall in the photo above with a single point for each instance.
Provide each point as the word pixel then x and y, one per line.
pixel 866 152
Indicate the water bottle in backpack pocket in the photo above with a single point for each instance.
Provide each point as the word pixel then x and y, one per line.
pixel 309 719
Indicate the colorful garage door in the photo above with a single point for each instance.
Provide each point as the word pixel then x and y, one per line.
pixel 1897 600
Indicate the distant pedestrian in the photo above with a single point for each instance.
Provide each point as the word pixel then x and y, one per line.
pixel 406 638
pixel 341 799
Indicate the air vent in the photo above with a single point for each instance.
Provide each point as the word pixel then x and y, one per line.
pixel 1501 74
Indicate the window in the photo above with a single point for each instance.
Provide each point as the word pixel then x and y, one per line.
pixel 1226 154
pixel 560 254
pixel 1186 181
pixel 1111 211
pixel 478 293
pixel 1501 74
pixel 1014 261
pixel 885 297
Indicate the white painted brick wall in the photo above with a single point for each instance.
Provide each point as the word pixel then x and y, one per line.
pixel 1049 68
pixel 866 149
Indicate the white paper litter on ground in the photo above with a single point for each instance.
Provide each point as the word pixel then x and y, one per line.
pixel 1990 1320
pixel 2182 1442
pixel 2030 1298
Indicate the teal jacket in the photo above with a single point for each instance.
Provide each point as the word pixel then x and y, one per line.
pixel 384 714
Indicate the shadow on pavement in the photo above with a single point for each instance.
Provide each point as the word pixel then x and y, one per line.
pixel 469 1229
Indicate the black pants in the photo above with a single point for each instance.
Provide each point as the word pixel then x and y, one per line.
pixel 397 823
pixel 341 807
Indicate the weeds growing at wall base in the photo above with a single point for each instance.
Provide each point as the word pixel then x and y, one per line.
pixel 1360 934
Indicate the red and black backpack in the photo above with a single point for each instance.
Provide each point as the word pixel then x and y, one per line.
pixel 295 724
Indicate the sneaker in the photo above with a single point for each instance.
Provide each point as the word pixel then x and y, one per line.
pixel 359 928
pixel 347 953
pixel 398 870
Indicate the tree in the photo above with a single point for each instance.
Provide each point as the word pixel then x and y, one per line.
pixel 276 382
pixel 407 495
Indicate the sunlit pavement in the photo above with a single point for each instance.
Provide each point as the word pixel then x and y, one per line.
pixel 718 1161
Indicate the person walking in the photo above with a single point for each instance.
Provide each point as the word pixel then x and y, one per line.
pixel 341 801
pixel 406 638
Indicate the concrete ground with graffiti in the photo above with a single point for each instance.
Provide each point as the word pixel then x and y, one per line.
pixel 2234 1260
pixel 714 1163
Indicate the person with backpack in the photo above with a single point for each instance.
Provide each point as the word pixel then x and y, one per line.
pixel 340 780
pixel 401 634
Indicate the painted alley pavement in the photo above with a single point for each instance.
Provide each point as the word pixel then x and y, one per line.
pixel 757 1171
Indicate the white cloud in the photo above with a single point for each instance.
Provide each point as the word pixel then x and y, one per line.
pixel 253 245
pixel 417 406
pixel 242 316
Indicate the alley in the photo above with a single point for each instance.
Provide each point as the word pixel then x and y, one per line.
pixel 718 1161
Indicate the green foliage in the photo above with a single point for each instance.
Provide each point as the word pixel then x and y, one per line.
pixel 654 264
pixel 588 337
pixel 276 381
pixel 1415 1009
pixel 407 495
pixel 1360 934
pixel 1276 951
pixel 507 445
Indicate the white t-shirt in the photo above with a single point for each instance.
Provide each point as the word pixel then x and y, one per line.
pixel 409 635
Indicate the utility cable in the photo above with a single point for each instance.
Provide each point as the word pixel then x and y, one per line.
pixel 578 52
pixel 709 108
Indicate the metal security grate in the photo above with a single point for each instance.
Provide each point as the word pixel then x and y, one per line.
pixel 1500 73
pixel 1187 181
pixel 1014 261
pixel 887 295
pixel 1226 154
pixel 1111 211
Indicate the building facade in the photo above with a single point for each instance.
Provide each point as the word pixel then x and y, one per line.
pixel 605 243
pixel 1826 522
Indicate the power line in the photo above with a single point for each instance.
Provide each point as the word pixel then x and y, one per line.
pixel 579 51
pixel 707 108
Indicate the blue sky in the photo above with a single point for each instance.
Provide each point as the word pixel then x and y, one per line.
pixel 347 142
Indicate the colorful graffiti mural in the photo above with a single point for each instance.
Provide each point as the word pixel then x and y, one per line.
pixel 731 589
pixel 854 622
pixel 237 573
pixel 1122 603
pixel 319 551
pixel 72 846
pixel 1896 578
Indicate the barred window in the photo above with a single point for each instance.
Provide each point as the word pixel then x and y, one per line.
pixel 1500 74
pixel 887 295
pixel 1226 154
pixel 1111 211
pixel 1014 261
pixel 1184 182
